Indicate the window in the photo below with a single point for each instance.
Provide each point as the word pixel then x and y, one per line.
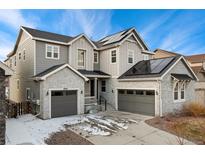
pixel 19 56
pixel 130 57
pixel 81 57
pixel 24 54
pixel 95 57
pixel 103 86
pixel 139 92
pixel 28 93
pixel 182 90
pixel 15 61
pixel 18 84
pixel 179 91
pixel 150 92
pixel 113 56
pixel 145 57
pixel 121 92
pixel 10 61
pixel 176 88
pixel 52 52
pixel 57 93
pixel 130 92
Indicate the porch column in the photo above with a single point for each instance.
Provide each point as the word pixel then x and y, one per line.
pixel 95 89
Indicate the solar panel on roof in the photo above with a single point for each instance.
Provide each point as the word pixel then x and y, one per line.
pixel 149 67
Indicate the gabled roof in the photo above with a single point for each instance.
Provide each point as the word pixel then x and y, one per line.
pixel 168 52
pixel 154 68
pixel 149 68
pixel 48 35
pixel 118 37
pixel 8 71
pixel 54 69
pixel 196 58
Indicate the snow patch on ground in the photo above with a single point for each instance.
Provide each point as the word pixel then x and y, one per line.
pixel 30 129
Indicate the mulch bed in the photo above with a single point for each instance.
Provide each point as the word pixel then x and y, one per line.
pixel 66 137
pixel 190 128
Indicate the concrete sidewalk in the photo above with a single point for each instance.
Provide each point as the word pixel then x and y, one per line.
pixel 138 134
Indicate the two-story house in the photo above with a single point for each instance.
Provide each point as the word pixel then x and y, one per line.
pixel 62 74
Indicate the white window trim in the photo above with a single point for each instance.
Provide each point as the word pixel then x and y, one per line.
pixel 52 52
pixel 82 66
pixel 132 53
pixel 111 56
pixel 179 92
pixel 29 92
pixel 97 57
pixel 146 56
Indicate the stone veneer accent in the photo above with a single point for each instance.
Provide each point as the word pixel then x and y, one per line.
pixel 2 129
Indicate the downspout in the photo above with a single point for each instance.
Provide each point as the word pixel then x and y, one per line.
pixel 160 98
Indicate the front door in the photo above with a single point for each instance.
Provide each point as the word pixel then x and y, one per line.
pixel 92 88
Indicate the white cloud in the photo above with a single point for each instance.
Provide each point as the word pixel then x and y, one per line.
pixel 91 22
pixel 14 19
pixel 156 23
pixel 6 45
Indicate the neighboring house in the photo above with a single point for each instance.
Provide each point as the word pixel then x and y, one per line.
pixel 197 63
pixel 5 73
pixel 160 53
pixel 63 74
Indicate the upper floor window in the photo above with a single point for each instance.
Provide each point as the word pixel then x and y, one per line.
pixel 130 57
pixel 10 61
pixel 81 57
pixel 113 56
pixel 15 61
pixel 96 57
pixel 24 54
pixel 52 52
pixel 19 56
pixel 145 57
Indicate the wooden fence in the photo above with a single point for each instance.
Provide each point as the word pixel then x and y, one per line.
pixel 13 110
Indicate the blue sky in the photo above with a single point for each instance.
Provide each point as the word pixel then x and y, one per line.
pixel 181 31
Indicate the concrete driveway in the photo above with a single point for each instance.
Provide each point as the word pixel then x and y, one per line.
pixel 136 134
pixel 108 128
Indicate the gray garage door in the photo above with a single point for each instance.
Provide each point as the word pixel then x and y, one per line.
pixel 137 101
pixel 63 103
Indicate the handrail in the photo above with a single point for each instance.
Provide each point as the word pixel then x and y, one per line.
pixel 105 101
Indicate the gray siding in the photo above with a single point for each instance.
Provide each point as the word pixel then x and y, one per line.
pixel 124 48
pixel 168 104
pixel 42 63
pixel 105 62
pixel 24 69
pixel 83 44
pixel 96 66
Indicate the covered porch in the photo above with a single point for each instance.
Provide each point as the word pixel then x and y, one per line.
pixel 93 86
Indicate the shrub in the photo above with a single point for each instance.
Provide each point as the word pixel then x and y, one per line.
pixel 194 109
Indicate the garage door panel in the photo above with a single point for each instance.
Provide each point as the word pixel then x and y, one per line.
pixel 63 103
pixel 143 104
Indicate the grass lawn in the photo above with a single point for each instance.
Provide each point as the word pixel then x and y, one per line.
pixel 190 128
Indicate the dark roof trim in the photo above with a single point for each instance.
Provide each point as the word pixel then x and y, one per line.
pixel 182 77
pixel 94 73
